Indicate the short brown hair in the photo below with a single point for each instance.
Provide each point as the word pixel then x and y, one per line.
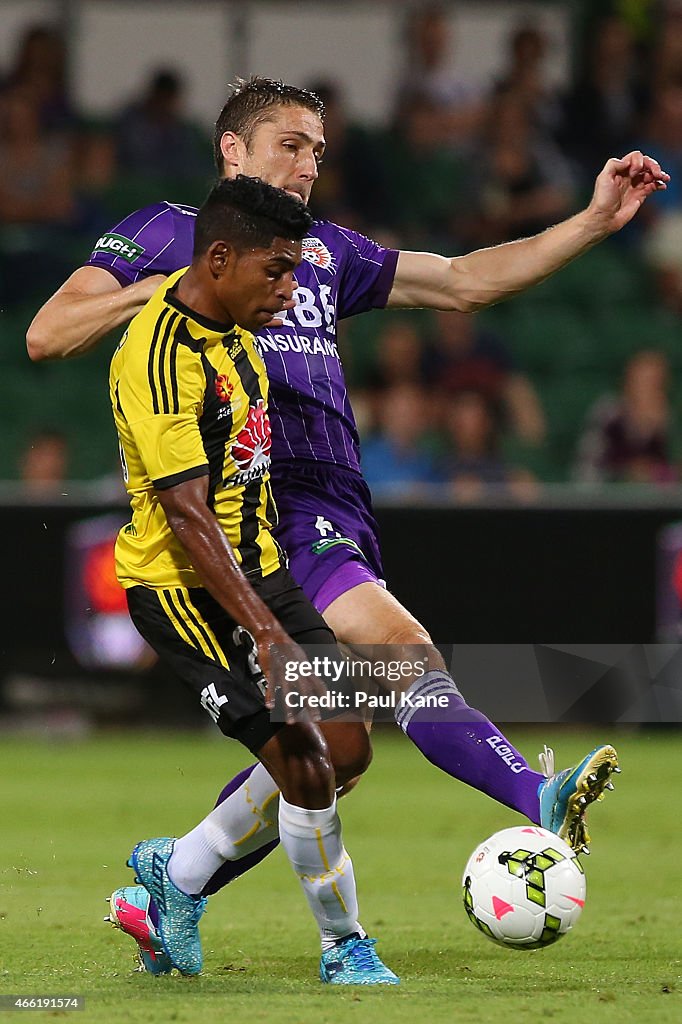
pixel 249 105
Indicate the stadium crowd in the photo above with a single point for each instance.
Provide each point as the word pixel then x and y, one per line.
pixel 571 382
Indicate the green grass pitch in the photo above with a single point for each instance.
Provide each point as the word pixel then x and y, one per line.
pixel 71 812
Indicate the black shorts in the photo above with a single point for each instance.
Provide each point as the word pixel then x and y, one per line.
pixel 215 656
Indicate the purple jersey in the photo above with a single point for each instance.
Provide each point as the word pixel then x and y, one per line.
pixel 342 273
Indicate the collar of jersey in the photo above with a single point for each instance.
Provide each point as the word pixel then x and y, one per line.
pixel 203 321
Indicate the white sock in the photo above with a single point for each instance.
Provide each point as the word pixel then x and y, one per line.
pixel 242 823
pixel 312 840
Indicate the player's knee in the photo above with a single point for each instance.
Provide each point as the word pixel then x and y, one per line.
pixel 404 629
pixel 407 641
pixel 354 758
pixel 299 761
pixel 309 778
pixel 314 781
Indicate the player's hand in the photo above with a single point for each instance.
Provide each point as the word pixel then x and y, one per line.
pixel 622 187
pixel 286 669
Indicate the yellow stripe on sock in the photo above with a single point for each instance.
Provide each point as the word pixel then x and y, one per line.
pixel 251 832
pixel 268 801
pixel 335 890
pixel 320 846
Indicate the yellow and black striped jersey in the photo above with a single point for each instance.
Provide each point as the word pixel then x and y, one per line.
pixel 190 399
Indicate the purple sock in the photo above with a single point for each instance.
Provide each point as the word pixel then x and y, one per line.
pixel 467 746
pixel 234 784
pixel 153 913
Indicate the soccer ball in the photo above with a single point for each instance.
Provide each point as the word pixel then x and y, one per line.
pixel 524 887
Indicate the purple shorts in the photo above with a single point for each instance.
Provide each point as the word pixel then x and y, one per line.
pixel 327 528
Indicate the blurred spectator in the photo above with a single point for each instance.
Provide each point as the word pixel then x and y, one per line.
pixel 526 183
pixel 525 77
pixel 397 460
pixel 36 181
pixel 662 222
pixel 664 138
pixel 38 80
pixel 628 438
pixel 431 184
pixel 353 187
pixel 44 462
pixel 399 357
pixel 39 73
pixel 667 58
pixel 474 465
pixel 462 356
pixel 663 251
pixel 458 107
pixel 37 202
pixel 602 112
pixel 154 138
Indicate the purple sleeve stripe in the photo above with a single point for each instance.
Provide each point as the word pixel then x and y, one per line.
pixel 122 278
pixel 160 253
pixel 384 282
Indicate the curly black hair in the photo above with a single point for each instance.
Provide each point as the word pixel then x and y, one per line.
pixel 248 213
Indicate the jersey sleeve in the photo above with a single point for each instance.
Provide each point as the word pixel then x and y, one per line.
pixel 157 239
pixel 162 404
pixel 368 273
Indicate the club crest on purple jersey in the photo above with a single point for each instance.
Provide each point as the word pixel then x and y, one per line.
pixel 317 253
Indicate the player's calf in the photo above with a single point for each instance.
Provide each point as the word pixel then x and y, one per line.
pixel 310 832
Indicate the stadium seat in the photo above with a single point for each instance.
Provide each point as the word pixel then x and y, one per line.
pixel 550 340
pixel 63 396
pixel 567 400
pixel 607 274
pixel 14 323
pixel 630 328
pixel 541 462
pixel 133 192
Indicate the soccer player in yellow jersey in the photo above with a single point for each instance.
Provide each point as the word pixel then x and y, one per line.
pixel 205 579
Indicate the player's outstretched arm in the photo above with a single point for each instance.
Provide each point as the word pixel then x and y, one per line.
pixel 86 307
pixel 471 282
pixel 211 554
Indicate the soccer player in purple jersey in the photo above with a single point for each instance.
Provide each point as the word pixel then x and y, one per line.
pixel 275 131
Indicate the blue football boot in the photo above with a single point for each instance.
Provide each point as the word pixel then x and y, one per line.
pixel 353 961
pixel 129 911
pixel 179 913
pixel 566 795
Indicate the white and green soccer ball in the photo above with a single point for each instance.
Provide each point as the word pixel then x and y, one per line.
pixel 524 887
